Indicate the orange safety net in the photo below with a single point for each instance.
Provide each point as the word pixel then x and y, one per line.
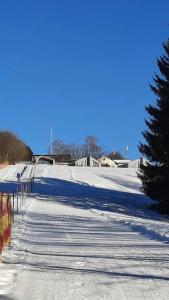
pixel 5 220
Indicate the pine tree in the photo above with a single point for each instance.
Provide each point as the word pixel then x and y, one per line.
pixel 155 173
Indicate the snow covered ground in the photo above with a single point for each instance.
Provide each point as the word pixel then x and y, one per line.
pixel 8 176
pixel 85 233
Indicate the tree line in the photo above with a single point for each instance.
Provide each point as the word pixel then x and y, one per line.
pixel 13 149
pixel 91 147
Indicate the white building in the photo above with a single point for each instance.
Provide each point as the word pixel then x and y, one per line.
pixel 125 163
pixel 87 162
pixel 107 162
pixel 122 163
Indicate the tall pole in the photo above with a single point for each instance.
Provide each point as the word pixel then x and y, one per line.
pixel 127 150
pixel 51 140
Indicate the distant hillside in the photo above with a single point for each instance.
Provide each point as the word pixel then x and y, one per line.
pixel 13 149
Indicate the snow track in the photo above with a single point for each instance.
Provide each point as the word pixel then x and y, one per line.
pixel 70 244
pixel 9 173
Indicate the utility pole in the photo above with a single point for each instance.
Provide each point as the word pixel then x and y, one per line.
pixel 126 151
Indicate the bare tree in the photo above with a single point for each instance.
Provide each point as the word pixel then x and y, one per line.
pixel 76 151
pixel 91 147
pixel 60 148
pixel 115 155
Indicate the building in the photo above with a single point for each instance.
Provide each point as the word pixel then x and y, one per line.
pixel 122 163
pixel 125 163
pixel 107 162
pixel 87 162
pixel 51 159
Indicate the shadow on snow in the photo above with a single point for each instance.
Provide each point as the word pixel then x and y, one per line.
pixel 51 229
pixel 84 196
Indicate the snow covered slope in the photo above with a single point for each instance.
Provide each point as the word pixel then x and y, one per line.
pixel 8 176
pixel 86 233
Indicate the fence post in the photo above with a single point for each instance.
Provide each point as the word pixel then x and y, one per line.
pixel 17 202
pixel 22 188
pixel 13 211
pixel 1 227
pixel 9 215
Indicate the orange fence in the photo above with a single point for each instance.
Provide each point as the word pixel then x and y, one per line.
pixel 4 164
pixel 5 220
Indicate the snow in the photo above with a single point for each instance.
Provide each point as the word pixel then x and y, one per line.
pixel 8 177
pixel 85 233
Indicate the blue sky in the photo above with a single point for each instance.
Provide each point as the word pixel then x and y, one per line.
pixel 82 67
